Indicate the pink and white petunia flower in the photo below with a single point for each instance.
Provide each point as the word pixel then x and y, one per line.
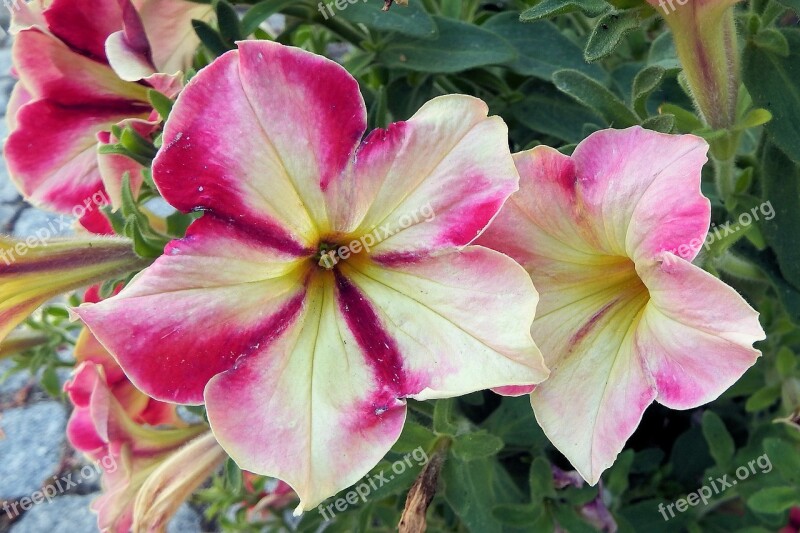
pixel 68 93
pixel 330 277
pixel 623 318
pixel 129 453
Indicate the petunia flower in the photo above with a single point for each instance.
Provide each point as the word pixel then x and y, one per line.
pixel 607 236
pixel 329 278
pixel 705 40
pixel 40 268
pixel 68 93
pixel 129 453
pixel 138 406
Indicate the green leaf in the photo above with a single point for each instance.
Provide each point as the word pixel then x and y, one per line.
pixel 788 295
pixel 781 187
pixel 411 20
pixel 233 475
pixel 261 12
pixel 459 46
pixel 50 382
pixel 753 119
pixel 785 458
pixel 444 414
pixel 774 84
pixel 595 96
pixel 660 123
pixel 210 38
pixel 791 4
pixel 785 362
pixel 774 499
pixel 541 480
pixel 514 423
pixel 412 437
pixel 720 442
pixel 685 121
pixel 644 84
pixel 160 102
pixel 228 21
pixel 608 32
pixel 617 476
pixel 550 8
pixel 473 489
pixel 477 445
pixel 762 398
pixel 530 40
pixel 773 41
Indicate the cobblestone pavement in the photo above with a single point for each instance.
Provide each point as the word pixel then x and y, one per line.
pixel 33 447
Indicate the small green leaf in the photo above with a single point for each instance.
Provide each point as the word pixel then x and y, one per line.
pixel 541 480
pixel 773 500
pixel 780 178
pixel 773 82
pixel 595 96
pixel 229 27
pixel 233 475
pixel 411 20
pixel 210 38
pixel 444 417
pixel 720 442
pixel 550 8
pixel 773 41
pixel 660 123
pixel 261 12
pixel 161 103
pixel 50 382
pixel 644 84
pixel 477 445
pixel 608 32
pixel 785 362
pixel 459 46
pixel 685 121
pixel 785 458
pixel 530 39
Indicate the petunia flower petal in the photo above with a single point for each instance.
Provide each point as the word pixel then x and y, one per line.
pixel 436 310
pixel 50 69
pixel 196 299
pixel 292 135
pixel 641 190
pixel 431 182
pixel 84 26
pixel 67 175
pixel 695 347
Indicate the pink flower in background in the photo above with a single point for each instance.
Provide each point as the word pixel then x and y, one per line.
pixel 102 428
pixel 329 278
pixel 622 320
pixel 68 93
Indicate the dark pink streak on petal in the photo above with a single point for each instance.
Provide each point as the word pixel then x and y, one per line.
pixel 397 259
pixel 256 230
pixel 177 371
pixel 381 354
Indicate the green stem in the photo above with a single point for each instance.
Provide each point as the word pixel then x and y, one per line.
pixel 725 177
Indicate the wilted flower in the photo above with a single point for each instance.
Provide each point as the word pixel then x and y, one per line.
pixel 329 278
pixel 129 453
pixel 35 270
pixel 623 320
pixel 705 39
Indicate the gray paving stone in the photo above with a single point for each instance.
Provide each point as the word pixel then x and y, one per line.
pixel 70 511
pixel 186 520
pixel 47 225
pixel 14 382
pixel 31 449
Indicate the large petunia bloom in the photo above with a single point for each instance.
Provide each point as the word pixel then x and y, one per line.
pixel 329 277
pixel 68 94
pixel 624 317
